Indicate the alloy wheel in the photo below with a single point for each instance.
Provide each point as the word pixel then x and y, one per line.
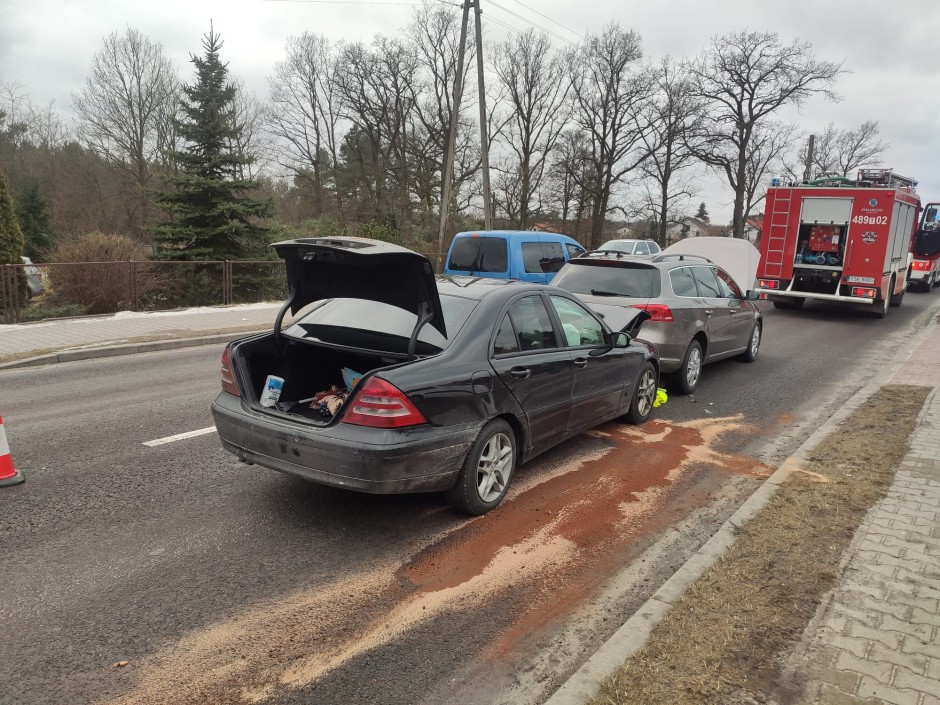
pixel 755 341
pixel 646 392
pixel 694 369
pixel 494 467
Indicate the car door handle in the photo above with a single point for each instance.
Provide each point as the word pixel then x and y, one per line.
pixel 709 312
pixel 580 362
pixel 520 372
pixel 735 310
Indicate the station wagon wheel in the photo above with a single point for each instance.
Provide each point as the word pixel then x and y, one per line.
pixel 689 374
pixel 644 394
pixel 487 470
pixel 753 345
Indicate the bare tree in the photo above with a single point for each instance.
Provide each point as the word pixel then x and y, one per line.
pixel 673 113
pixel 248 138
pixel 304 114
pixel 131 81
pixel 536 87
pixel 434 33
pixel 743 78
pixel 609 91
pixel 843 151
pixel 770 142
pixel 570 180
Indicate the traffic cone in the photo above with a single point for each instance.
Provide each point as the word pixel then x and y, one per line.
pixel 8 474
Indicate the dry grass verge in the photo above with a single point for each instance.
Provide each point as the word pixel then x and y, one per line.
pixel 723 642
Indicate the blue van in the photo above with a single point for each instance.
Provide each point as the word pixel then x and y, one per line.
pixel 527 255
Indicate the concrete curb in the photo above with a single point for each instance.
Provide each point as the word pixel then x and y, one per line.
pixel 127 349
pixel 584 684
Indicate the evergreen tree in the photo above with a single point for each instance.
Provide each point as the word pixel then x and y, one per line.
pixel 11 242
pixel 212 212
pixel 702 213
pixel 35 220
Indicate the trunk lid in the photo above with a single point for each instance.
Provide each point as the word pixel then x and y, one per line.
pixel 360 268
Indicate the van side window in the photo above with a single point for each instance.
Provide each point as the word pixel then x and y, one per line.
pixel 479 254
pixel 532 257
pixel 553 258
pixel 683 284
pixel 641 248
pixel 505 338
pixel 531 321
pixel 574 250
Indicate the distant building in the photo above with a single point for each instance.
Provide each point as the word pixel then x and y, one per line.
pixel 753 227
pixel 687 227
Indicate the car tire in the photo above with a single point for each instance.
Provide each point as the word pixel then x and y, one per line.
pixel 644 394
pixel 687 377
pixel 896 299
pixel 753 343
pixel 487 470
pixel 882 305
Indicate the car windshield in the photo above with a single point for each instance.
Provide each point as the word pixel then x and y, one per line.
pixel 376 325
pixel 634 281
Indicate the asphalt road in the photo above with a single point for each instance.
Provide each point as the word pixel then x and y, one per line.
pixel 219 582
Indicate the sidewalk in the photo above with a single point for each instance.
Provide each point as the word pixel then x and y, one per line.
pixel 875 637
pixel 128 332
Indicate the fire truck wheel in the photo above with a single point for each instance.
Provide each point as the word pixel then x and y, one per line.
pixel 896 299
pixel 753 345
pixel 686 378
pixel 881 306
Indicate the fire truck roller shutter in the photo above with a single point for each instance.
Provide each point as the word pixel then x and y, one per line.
pixel 829 211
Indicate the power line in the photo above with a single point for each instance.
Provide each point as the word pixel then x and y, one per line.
pixel 353 2
pixel 532 9
pixel 534 24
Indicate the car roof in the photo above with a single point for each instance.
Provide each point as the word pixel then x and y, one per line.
pixel 470 287
pixel 517 234
pixel 658 261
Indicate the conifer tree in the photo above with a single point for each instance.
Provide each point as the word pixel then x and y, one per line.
pixel 11 244
pixel 212 212
pixel 702 213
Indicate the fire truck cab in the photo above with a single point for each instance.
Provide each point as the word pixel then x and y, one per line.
pixel 839 239
pixel 925 271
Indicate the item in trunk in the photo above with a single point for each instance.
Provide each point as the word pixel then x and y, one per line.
pixel 272 390
pixel 330 401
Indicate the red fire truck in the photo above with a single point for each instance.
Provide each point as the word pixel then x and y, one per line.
pixel 839 239
pixel 925 271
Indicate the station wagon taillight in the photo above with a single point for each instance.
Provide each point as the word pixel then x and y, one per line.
pixel 228 377
pixel 659 313
pixel 380 404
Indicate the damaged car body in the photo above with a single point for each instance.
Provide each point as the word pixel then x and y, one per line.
pixel 434 384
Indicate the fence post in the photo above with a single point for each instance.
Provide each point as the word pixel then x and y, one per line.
pixel 132 270
pixel 227 282
pixel 7 298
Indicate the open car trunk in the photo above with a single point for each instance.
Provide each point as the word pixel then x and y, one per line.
pixel 306 368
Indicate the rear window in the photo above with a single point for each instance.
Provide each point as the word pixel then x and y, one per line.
pixel 478 254
pixel 541 257
pixel 378 326
pixel 603 279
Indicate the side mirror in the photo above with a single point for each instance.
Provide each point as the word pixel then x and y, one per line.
pixel 752 295
pixel 614 340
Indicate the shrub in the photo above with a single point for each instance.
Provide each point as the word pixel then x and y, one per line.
pixel 93 278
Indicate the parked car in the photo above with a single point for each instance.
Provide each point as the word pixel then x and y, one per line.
pixel 34 283
pixel 632 247
pixel 699 313
pixel 431 384
pixel 525 255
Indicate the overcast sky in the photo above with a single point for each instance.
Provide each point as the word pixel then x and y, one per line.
pixel 891 49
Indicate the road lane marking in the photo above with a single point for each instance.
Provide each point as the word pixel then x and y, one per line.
pixel 180 436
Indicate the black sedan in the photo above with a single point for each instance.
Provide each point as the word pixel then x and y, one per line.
pixel 393 381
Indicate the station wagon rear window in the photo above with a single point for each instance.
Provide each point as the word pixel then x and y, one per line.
pixel 479 254
pixel 641 282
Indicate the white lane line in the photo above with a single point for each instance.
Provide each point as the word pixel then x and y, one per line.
pixel 180 436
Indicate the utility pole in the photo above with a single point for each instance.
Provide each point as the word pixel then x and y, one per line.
pixel 448 175
pixel 809 158
pixel 484 132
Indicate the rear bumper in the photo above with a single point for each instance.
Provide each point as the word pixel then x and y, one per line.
pixel 419 459
pixel 777 294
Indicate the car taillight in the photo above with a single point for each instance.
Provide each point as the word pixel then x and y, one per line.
pixel 228 377
pixel 920 265
pixel 768 284
pixel 864 292
pixel 380 404
pixel 660 313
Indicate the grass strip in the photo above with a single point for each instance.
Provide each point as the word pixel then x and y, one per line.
pixel 724 640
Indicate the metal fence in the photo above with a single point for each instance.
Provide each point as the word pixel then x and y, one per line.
pixel 70 288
